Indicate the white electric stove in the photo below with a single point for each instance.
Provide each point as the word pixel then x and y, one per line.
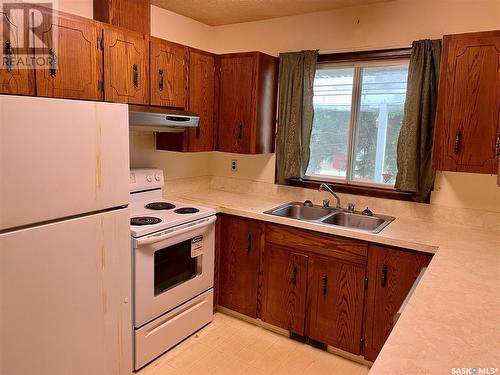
pixel 173 246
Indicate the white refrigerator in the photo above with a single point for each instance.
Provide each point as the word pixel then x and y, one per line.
pixel 65 255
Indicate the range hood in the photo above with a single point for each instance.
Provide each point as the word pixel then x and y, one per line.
pixel 154 119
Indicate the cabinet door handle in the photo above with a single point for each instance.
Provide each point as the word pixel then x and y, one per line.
pixel 384 275
pixel 8 55
pixel 198 130
pixel 325 284
pixel 497 146
pixel 52 62
pixel 294 275
pixel 240 132
pixel 458 142
pixel 160 84
pixel 249 243
pixel 135 75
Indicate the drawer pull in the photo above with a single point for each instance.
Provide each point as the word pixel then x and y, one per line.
pixel 294 275
pixel 135 75
pixel 8 51
pixel 458 142
pixel 52 62
pixel 249 243
pixel 384 276
pixel 160 85
pixel 325 284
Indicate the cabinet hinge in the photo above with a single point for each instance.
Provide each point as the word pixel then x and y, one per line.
pixel 100 85
pixel 366 287
pixel 362 343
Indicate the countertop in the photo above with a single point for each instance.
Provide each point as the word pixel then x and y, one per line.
pixel 452 320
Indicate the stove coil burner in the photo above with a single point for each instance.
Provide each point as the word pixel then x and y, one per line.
pixel 144 220
pixel 160 206
pixel 186 210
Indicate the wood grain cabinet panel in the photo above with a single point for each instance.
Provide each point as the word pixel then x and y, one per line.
pixel 134 15
pixel 126 66
pixel 239 261
pixel 468 112
pixel 336 296
pixel 169 74
pixel 73 62
pixel 202 100
pixel 391 274
pixel 284 288
pixel 15 76
pixel 247 102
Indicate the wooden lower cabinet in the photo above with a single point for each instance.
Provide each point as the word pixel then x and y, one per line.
pixel 336 297
pixel 338 291
pixel 284 288
pixel 391 273
pixel 239 263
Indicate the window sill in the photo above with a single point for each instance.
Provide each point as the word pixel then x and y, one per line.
pixel 371 191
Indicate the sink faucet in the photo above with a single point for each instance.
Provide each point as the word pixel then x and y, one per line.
pixel 326 187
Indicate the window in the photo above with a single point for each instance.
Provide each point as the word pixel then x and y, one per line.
pixel 358 112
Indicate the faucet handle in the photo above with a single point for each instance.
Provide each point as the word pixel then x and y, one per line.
pixel 326 203
pixel 350 207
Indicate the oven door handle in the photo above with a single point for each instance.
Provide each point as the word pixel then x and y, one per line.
pixel 169 233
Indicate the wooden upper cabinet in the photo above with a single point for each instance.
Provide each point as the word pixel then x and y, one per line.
pixel 15 76
pixel 284 288
pixel 73 62
pixel 336 298
pixel 239 262
pixel 391 274
pixel 247 103
pixel 126 66
pixel 133 15
pixel 169 74
pixel 202 99
pixel 468 111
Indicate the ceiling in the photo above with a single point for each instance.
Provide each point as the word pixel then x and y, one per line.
pixel 225 12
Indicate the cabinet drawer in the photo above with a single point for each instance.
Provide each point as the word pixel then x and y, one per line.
pixel 353 251
pixel 168 330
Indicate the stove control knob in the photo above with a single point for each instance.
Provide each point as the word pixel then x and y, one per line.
pixel 149 178
pixel 157 176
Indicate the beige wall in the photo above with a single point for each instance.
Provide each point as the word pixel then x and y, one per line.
pixel 381 25
pixel 180 29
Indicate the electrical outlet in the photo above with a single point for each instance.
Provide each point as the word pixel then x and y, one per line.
pixel 234 165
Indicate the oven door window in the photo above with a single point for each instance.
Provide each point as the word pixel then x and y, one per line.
pixel 174 265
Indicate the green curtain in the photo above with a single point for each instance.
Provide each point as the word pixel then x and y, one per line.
pixel 414 155
pixel 295 113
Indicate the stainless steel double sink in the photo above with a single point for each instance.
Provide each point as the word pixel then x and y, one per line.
pixel 337 217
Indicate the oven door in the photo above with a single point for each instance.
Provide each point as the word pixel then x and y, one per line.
pixel 171 267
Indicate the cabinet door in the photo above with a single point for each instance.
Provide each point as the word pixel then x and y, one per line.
pixel 235 108
pixel 169 74
pixel 336 295
pixel 73 61
pixel 16 77
pixel 202 99
pixel 284 288
pixel 391 274
pixel 239 262
pixel 468 111
pixel 126 66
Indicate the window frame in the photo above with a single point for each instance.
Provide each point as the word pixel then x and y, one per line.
pixel 356 60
